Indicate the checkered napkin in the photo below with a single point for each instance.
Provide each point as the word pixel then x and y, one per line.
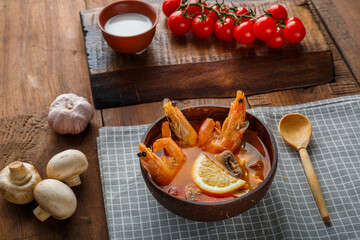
pixel 288 210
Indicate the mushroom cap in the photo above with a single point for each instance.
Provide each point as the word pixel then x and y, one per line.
pixel 56 198
pixel 66 165
pixel 16 193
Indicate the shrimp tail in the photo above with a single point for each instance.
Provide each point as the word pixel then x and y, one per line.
pixel 206 132
pixel 165 130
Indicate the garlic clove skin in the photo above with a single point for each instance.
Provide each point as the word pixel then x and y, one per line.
pixel 17 182
pixel 70 114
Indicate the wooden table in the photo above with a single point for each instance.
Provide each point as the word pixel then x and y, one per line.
pixel 42 55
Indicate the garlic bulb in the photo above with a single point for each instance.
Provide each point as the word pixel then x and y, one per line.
pixel 70 113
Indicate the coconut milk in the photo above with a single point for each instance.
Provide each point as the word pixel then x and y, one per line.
pixel 128 24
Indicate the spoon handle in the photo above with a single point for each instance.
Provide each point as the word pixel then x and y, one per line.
pixel 314 184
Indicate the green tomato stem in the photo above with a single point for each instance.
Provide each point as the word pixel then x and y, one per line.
pixel 220 13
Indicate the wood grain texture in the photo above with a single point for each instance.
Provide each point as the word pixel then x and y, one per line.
pixel 30 139
pixel 42 56
pixel 170 49
pixel 344 84
pixel 149 112
pixel 120 80
pixel 341 18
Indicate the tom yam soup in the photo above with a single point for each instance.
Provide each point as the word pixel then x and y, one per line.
pixel 206 159
pixel 254 163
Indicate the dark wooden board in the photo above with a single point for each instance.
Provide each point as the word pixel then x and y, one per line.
pixel 181 67
pixel 341 18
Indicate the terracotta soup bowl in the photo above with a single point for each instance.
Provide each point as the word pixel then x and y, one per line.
pixel 213 211
pixel 128 44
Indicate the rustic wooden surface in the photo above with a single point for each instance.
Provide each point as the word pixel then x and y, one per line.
pixel 341 18
pixel 42 55
pixel 121 80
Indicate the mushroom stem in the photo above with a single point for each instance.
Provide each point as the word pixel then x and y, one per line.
pixel 41 214
pixel 73 181
pixel 19 174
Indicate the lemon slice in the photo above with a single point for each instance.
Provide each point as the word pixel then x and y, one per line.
pixel 212 178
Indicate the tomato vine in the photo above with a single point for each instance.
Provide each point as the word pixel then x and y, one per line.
pixel 272 26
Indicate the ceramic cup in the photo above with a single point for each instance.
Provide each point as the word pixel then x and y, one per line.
pixel 128 44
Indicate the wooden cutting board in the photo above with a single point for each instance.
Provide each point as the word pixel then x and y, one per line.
pixel 179 67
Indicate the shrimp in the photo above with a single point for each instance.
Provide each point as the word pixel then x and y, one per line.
pixel 162 169
pixel 216 139
pixel 165 130
pixel 180 125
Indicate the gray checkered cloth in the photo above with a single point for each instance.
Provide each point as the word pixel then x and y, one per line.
pixel 288 210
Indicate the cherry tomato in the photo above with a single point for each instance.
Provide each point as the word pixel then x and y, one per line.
pixel 213 15
pixel 224 9
pixel 178 24
pixel 202 28
pixel 294 31
pixel 170 6
pixel 278 12
pixel 290 19
pixel 195 10
pixel 243 11
pixel 265 28
pixel 232 20
pixel 278 40
pixel 224 31
pixel 244 33
pixel 173 191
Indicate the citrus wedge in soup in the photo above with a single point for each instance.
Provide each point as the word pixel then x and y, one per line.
pixel 213 179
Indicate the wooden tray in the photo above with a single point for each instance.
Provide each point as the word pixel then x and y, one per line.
pixel 180 67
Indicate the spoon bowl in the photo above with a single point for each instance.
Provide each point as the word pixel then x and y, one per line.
pixel 296 129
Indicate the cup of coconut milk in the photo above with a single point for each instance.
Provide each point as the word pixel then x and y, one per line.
pixel 128 26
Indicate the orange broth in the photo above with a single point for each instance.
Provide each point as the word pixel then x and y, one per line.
pixel 254 151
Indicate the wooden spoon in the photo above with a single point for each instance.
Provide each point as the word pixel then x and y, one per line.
pixel 296 130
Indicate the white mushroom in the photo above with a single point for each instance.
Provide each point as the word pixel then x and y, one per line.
pixel 17 182
pixel 67 166
pixel 55 199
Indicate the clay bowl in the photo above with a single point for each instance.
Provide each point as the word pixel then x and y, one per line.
pixel 220 210
pixel 130 44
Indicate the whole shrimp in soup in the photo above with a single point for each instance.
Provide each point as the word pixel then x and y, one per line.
pixel 180 125
pixel 162 169
pixel 215 139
